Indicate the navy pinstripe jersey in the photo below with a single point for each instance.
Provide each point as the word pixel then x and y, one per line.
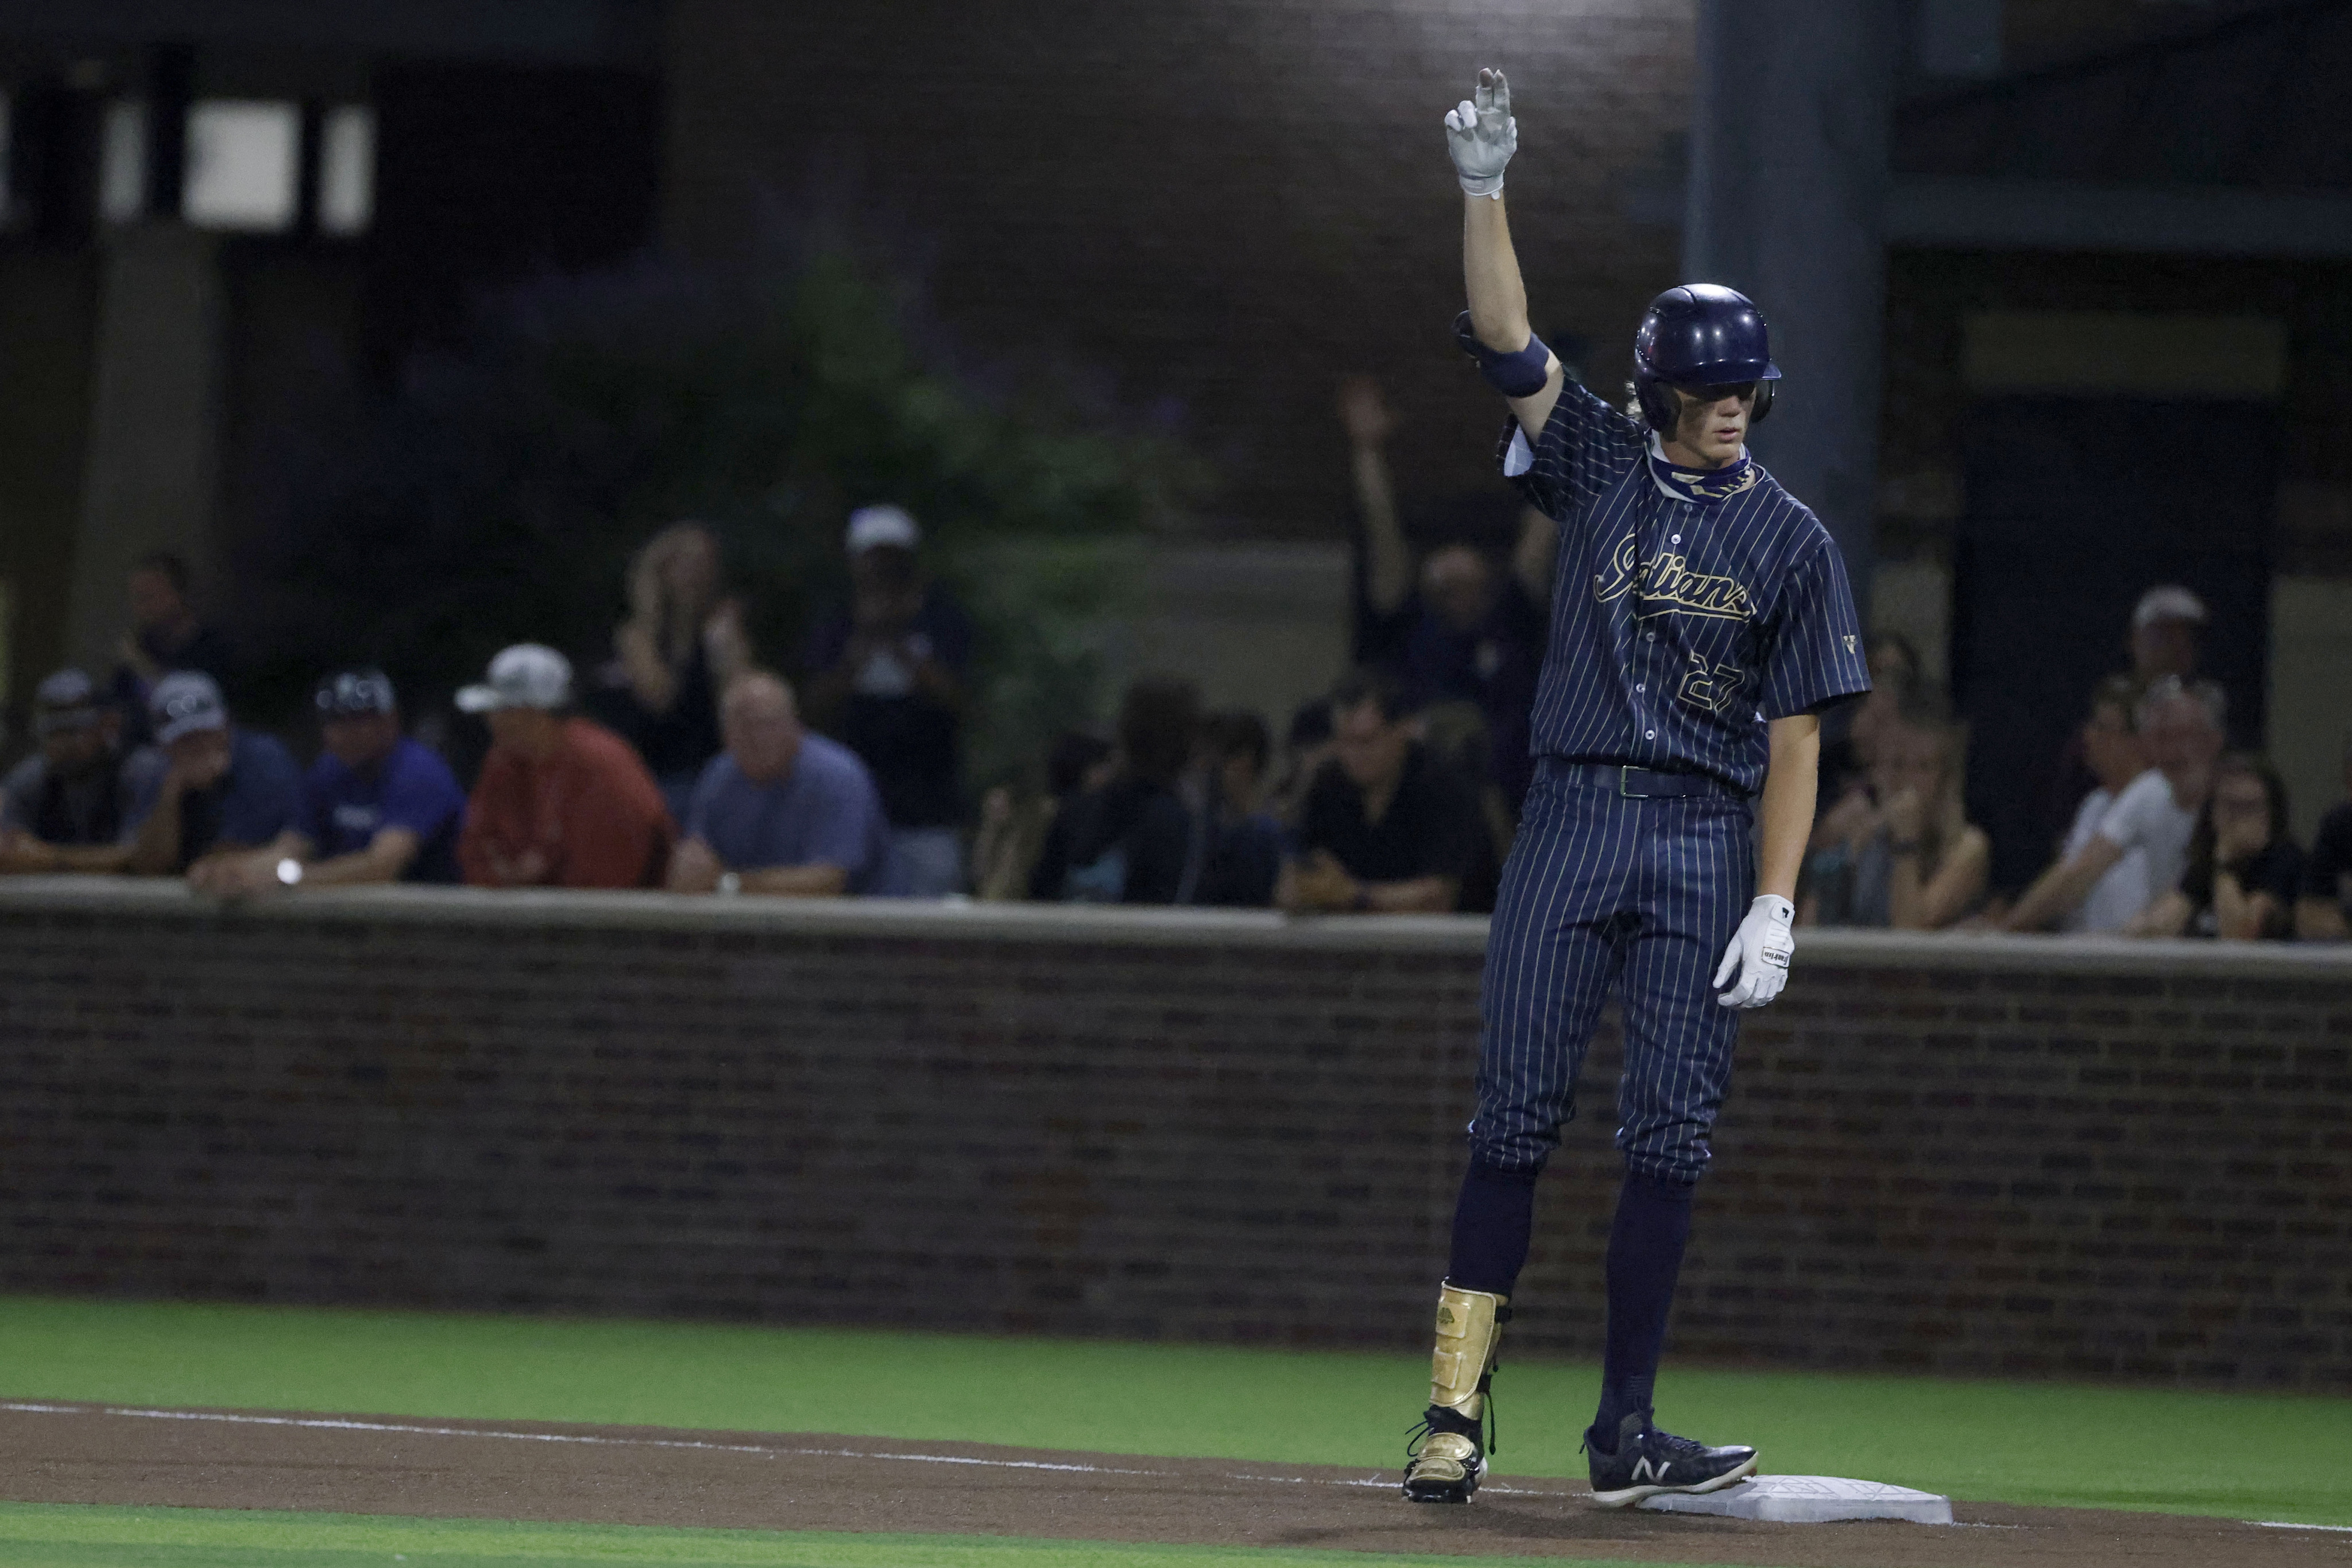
pixel 1677 629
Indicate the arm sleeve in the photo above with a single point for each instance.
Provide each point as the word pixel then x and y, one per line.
pixel 616 830
pixel 421 796
pixel 1585 447
pixel 1813 653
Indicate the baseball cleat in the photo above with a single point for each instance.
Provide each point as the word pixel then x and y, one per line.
pixel 1648 1461
pixel 1442 1464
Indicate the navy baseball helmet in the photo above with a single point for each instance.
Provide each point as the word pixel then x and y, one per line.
pixel 1700 335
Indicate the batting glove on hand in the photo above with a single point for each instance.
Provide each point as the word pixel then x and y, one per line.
pixel 1758 954
pixel 1482 135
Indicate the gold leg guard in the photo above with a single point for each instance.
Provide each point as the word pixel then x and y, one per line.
pixel 1469 1331
pixel 1447 1462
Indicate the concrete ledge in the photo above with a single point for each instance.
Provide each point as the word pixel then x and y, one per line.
pixel 962 920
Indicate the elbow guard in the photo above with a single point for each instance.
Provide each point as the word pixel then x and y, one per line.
pixel 1519 374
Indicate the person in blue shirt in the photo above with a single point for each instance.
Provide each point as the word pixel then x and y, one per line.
pixel 376 806
pixel 226 790
pixel 781 810
pixel 1700 624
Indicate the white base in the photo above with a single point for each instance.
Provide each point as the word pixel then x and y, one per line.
pixel 1808 1499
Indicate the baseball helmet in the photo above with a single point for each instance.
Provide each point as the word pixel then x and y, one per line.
pixel 1700 335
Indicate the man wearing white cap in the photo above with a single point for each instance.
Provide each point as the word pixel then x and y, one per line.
pixel 886 677
pixel 227 790
pixel 562 801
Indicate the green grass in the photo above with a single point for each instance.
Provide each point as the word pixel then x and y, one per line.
pixel 2242 1455
pixel 37 1536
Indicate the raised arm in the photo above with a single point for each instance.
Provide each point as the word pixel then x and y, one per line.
pixel 1481 135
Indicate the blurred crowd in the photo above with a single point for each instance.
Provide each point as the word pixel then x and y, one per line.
pixel 689 761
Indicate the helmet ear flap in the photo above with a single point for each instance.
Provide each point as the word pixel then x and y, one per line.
pixel 1763 403
pixel 1658 404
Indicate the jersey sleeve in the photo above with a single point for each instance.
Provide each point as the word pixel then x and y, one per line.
pixel 1585 447
pixel 421 794
pixel 1813 654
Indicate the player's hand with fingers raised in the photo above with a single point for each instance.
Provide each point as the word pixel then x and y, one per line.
pixel 1756 964
pixel 1482 135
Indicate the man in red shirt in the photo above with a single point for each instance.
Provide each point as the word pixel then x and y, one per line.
pixel 562 801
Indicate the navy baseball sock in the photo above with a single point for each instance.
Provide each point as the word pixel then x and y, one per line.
pixel 1492 1220
pixel 1645 1256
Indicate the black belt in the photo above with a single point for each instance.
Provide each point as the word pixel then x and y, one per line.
pixel 1643 783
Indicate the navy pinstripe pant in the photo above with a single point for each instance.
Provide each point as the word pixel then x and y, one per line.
pixel 1602 890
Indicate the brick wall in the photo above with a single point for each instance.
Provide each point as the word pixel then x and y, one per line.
pixel 1986 1156
pixel 1225 204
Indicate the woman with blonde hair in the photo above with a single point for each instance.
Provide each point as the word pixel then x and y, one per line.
pixel 681 644
pixel 1913 860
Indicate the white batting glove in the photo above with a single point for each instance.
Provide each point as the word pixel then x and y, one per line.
pixel 1758 954
pixel 1482 135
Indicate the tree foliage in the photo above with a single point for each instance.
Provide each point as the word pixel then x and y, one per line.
pixel 497 496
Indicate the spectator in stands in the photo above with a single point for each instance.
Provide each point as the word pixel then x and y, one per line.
pixel 1244 843
pixel 1384 829
pixel 2110 748
pixel 888 678
pixel 780 810
pixel 377 806
pixel 68 807
pixel 2166 640
pixel 1896 688
pixel 562 801
pixel 1133 840
pixel 1460 627
pixel 165 635
pixel 1014 826
pixel 225 790
pixel 681 644
pixel 1913 861
pixel 2243 869
pixel 2323 911
pixel 2182 727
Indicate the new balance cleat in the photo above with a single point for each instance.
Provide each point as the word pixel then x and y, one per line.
pixel 1648 1462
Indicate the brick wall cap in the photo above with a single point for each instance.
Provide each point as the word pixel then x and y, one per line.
pixel 963 919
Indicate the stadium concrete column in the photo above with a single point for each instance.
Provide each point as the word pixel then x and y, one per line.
pixel 152 464
pixel 1788 174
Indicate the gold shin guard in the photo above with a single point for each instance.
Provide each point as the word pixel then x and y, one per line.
pixel 1446 1466
pixel 1469 1331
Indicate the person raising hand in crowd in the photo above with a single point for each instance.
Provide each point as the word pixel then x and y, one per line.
pixel 682 644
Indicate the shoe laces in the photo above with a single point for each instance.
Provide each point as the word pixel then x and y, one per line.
pixel 1681 1446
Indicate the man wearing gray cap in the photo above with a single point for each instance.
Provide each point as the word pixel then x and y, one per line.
pixel 562 801
pixel 227 788
pixel 66 809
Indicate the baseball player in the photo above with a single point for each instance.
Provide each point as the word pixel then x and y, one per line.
pixel 1701 622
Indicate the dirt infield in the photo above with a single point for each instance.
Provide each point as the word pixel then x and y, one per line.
pixel 613 1475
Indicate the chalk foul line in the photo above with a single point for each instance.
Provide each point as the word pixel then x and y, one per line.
pixel 346 1424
